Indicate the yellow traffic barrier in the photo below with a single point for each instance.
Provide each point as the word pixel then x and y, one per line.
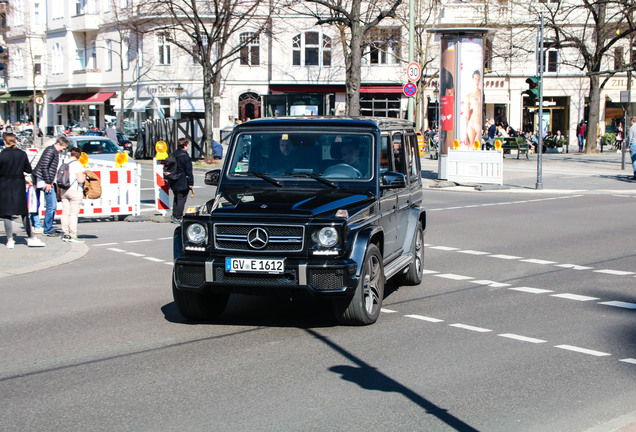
pixel 162 150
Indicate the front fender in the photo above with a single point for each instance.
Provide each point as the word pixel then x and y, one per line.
pixel 361 243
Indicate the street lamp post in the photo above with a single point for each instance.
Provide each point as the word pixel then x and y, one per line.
pixel 179 90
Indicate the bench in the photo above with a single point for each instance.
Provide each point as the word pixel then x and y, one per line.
pixel 551 142
pixel 510 143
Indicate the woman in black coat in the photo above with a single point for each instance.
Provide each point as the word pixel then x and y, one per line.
pixel 14 163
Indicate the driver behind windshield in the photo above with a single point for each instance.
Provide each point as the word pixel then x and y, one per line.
pixel 350 155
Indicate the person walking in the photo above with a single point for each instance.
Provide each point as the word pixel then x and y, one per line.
pixel 72 197
pixel 632 144
pixel 14 163
pixel 581 135
pixel 44 174
pixel 111 132
pixel 182 185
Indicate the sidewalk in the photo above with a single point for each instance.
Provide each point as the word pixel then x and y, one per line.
pixel 562 173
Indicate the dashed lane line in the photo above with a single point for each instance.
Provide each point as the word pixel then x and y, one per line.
pixel 583 350
pixel 530 260
pixel 619 304
pixel 503 203
pixel 453 276
pixel 531 290
pixel 518 337
pixel 576 297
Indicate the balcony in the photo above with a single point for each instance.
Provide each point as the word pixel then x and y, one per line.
pixel 85 22
pixel 87 77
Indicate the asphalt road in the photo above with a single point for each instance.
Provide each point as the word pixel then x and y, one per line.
pixel 524 322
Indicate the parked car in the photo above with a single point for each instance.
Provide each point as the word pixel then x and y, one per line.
pixel 325 206
pixel 98 147
pixel 122 140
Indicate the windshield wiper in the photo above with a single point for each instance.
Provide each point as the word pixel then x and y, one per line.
pixel 314 176
pixel 263 176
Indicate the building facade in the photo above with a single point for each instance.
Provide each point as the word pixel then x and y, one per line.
pixel 75 56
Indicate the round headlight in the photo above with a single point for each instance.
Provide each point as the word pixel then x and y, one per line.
pixel 196 233
pixel 328 236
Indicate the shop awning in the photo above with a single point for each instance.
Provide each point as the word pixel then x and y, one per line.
pixel 141 105
pixel 116 103
pixel 83 98
pixel 8 97
pixel 381 89
pixel 192 105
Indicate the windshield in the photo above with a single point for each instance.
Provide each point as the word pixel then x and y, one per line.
pixel 89 146
pixel 304 154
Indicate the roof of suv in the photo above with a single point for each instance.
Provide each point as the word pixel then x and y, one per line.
pixel 329 121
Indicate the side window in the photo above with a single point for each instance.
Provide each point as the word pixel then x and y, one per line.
pixel 398 153
pixel 414 161
pixel 384 154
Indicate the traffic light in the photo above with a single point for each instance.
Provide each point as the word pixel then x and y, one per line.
pixel 534 86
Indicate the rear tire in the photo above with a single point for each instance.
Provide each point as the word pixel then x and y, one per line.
pixel 364 307
pixel 413 275
pixel 195 306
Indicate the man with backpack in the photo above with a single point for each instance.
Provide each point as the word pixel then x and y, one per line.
pixel 44 174
pixel 178 171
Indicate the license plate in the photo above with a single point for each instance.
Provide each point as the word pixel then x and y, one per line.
pixel 254 265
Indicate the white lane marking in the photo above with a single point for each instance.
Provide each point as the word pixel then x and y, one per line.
pixel 165 238
pixel 135 254
pixel 582 350
pixel 538 261
pixel 473 252
pixel 429 272
pixel 471 328
pixel 106 244
pixel 490 283
pixel 574 267
pixel 576 297
pixel 506 257
pixel 170 263
pixel 521 338
pixel 444 248
pixel 628 360
pixel 531 290
pixel 454 276
pixel 153 259
pixel 116 250
pixel 424 318
pixel 615 272
pixel 138 241
pixel 385 310
pixel 619 304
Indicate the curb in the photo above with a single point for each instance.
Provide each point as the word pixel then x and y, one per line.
pixel 77 251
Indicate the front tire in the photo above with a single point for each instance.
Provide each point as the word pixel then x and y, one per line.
pixel 364 307
pixel 195 306
pixel 413 275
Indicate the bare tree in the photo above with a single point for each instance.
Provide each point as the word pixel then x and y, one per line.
pixel 208 31
pixel 353 18
pixel 123 42
pixel 585 32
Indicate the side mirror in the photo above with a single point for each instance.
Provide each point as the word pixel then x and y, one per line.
pixel 391 179
pixel 212 177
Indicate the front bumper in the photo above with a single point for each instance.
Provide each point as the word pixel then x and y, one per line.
pixel 333 278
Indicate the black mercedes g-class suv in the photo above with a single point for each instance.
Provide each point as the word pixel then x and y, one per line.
pixel 331 206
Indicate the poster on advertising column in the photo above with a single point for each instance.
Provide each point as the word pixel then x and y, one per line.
pixel 471 100
pixel 447 94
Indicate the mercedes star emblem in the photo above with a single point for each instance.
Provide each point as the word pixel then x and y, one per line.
pixel 257 238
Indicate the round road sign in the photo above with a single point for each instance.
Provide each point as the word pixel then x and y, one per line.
pixel 39 100
pixel 410 89
pixel 413 71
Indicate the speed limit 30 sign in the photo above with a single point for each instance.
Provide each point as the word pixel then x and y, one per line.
pixel 413 71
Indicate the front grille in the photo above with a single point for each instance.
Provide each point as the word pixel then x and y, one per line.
pixel 281 238
pixel 290 277
pixel 190 275
pixel 326 279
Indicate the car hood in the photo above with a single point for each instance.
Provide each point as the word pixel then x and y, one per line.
pixel 289 203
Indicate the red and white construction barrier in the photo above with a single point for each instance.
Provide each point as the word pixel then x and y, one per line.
pixel 121 193
pixel 162 190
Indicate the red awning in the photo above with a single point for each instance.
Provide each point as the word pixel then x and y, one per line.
pixel 381 89
pixel 83 98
